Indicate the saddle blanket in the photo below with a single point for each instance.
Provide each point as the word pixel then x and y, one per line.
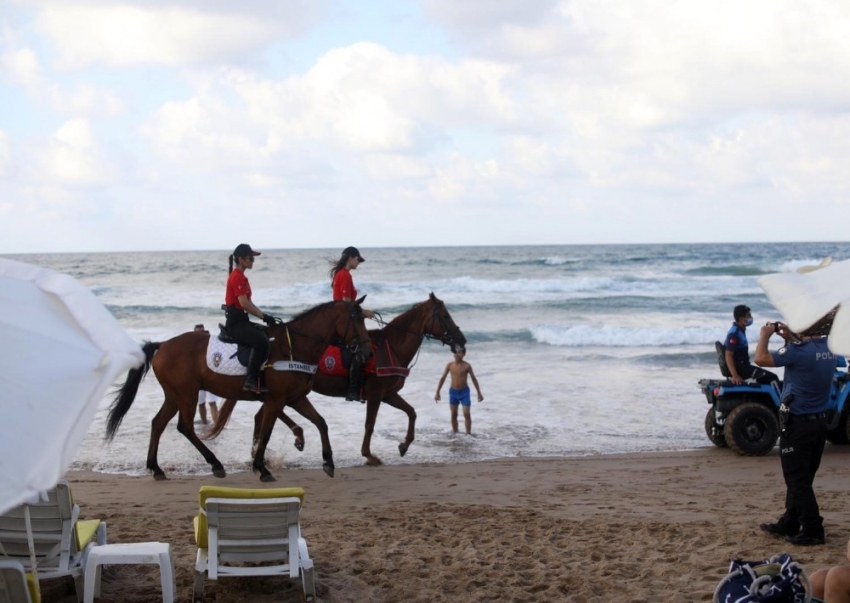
pixel 221 359
pixel 331 364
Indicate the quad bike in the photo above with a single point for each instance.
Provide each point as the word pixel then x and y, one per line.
pixel 746 417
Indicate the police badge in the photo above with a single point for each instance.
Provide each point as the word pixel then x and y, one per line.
pixel 216 359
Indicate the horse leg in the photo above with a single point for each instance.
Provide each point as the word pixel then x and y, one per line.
pixel 400 403
pixel 158 425
pixel 372 406
pixel 305 408
pixel 186 426
pixel 270 410
pixel 296 430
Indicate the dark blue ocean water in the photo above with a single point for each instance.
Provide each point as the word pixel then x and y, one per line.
pixel 578 349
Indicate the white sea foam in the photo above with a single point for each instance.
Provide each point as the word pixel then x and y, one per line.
pixel 613 336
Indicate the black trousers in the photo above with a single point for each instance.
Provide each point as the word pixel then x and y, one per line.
pixel 801 449
pixel 247 333
pixel 748 371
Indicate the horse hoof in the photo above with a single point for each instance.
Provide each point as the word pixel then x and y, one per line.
pixel 374 462
pixel 160 477
pixel 402 449
pixel 328 470
pixel 219 473
pixel 299 445
pixel 268 478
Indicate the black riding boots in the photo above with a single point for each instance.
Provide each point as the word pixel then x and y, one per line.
pixel 253 380
pixel 354 385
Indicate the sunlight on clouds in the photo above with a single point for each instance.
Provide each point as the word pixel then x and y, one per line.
pixel 122 34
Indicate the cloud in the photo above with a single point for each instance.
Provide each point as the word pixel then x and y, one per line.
pixel 5 153
pixel 23 67
pixel 360 103
pixel 164 33
pixel 74 158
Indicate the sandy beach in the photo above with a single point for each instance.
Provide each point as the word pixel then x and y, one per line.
pixel 642 528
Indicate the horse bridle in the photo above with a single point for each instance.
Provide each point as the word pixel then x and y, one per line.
pixel 356 346
pixel 445 339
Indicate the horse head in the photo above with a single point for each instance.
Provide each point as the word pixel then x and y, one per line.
pixel 442 327
pixel 351 329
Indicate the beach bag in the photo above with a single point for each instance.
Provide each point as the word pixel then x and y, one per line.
pixel 779 579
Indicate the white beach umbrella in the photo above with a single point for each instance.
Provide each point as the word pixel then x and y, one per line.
pixel 805 296
pixel 60 349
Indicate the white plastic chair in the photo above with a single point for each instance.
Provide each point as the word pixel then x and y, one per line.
pixel 16 586
pixel 46 537
pixel 237 525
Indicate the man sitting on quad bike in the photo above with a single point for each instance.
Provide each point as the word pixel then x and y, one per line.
pixel 737 351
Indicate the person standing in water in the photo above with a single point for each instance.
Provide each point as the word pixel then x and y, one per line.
pixel 459 389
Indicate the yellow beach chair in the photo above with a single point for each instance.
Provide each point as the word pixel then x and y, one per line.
pixel 49 533
pixel 238 525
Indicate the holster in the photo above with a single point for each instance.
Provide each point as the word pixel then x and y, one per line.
pixel 785 413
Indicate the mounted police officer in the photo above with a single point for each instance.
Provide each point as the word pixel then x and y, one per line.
pixel 238 306
pixel 809 370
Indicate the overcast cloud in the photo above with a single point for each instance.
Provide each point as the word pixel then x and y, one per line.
pixel 192 125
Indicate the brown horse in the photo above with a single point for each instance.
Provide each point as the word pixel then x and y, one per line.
pixel 180 366
pixel 396 345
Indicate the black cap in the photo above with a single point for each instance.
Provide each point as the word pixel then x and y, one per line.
pixel 351 252
pixel 740 311
pixel 243 250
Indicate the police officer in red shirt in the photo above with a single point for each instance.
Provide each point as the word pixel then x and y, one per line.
pixel 343 290
pixel 237 300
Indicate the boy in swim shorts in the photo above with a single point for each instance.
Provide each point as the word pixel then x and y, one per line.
pixel 459 389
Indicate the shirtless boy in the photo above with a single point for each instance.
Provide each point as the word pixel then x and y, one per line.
pixel 459 389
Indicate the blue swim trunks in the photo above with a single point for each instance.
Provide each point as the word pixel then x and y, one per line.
pixel 459 396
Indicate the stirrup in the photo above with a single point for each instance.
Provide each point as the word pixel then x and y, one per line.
pixel 254 385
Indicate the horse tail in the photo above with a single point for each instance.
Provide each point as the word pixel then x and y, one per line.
pixel 223 417
pixel 126 393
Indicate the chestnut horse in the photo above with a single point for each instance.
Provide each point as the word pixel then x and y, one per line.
pixel 180 366
pixel 396 345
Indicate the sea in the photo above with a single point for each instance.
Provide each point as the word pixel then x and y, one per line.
pixel 579 350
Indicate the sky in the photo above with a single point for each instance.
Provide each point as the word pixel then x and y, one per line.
pixel 168 125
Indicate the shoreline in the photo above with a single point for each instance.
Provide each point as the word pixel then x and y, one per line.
pixel 655 526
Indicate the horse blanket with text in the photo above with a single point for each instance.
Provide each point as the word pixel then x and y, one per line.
pixel 334 364
pixel 232 359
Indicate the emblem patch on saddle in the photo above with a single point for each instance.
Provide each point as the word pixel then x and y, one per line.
pixel 222 358
pixel 331 362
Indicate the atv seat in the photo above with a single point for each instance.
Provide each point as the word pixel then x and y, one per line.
pixel 721 359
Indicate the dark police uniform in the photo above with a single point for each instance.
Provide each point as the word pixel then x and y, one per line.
pixel 736 342
pixel 809 370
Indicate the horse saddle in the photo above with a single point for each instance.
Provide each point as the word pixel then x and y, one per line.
pixel 225 355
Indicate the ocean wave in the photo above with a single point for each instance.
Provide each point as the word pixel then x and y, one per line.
pixel 611 336
pixel 733 270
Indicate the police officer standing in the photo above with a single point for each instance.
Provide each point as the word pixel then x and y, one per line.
pixel 809 370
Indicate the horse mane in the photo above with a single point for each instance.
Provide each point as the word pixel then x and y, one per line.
pixel 309 313
pixel 403 320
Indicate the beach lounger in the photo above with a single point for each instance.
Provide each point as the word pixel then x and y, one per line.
pixel 48 530
pixel 238 525
pixel 16 586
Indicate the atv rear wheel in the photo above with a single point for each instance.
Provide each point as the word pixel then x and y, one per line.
pixel 841 433
pixel 713 430
pixel 751 429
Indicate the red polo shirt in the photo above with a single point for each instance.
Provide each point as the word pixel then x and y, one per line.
pixel 237 284
pixel 343 286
